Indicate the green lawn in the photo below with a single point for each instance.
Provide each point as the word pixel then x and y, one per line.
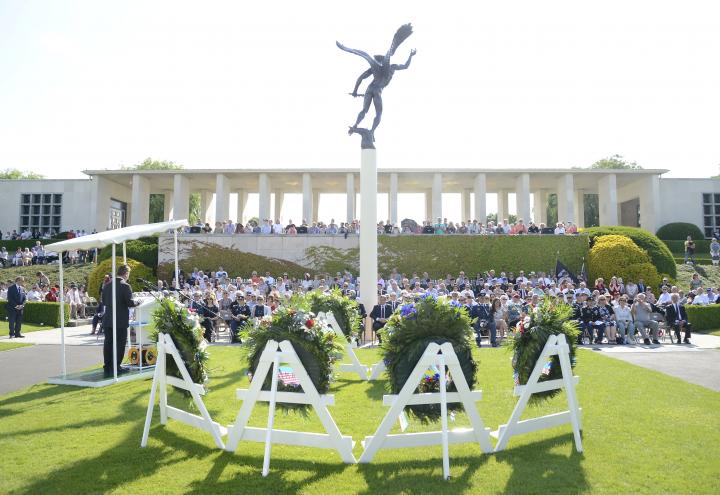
pixel 644 432
pixel 26 327
pixel 710 275
pixel 6 346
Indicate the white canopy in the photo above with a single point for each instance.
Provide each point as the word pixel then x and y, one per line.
pixel 116 236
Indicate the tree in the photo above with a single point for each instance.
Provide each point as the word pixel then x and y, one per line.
pixel 615 162
pixel 592 210
pixel 150 164
pixel 15 174
pixel 552 210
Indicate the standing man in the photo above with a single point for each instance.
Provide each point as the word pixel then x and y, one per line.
pixel 16 299
pixel 124 301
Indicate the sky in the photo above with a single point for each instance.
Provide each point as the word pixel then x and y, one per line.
pixel 97 84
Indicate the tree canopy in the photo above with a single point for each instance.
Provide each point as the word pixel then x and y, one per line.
pixel 15 174
pixel 150 164
pixel 615 162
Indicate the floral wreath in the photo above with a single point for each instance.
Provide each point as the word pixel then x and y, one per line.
pixel 175 320
pixel 313 340
pixel 343 308
pixel 406 336
pixel 548 319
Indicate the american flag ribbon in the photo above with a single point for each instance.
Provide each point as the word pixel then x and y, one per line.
pixel 546 368
pixel 286 375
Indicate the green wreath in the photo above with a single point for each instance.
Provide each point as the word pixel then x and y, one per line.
pixel 406 336
pixel 173 319
pixel 549 319
pixel 343 308
pixel 315 343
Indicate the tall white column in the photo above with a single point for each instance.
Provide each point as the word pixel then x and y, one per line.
pixel 307 212
pixel 540 206
pixel 650 203
pixel 181 197
pixel 368 230
pixel 207 212
pixel 607 200
pixel 222 198
pixel 167 205
pixel 140 200
pixel 566 198
pixel 522 197
pixel 428 206
pixel 264 193
pixel 393 199
pixel 580 207
pixel 242 198
pixel 436 197
pixel 480 198
pixel 279 200
pixel 502 202
pixel 350 192
pixel 465 206
pixel 316 205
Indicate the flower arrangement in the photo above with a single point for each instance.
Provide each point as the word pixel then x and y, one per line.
pixel 314 341
pixel 405 338
pixel 173 319
pixel 343 308
pixel 533 331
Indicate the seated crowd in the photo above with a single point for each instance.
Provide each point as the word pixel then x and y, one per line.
pixel 41 291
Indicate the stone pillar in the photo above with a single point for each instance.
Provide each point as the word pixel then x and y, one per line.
pixel 608 202
pixel 181 197
pixel 207 212
pixel 540 206
pixel 350 193
pixel 480 198
pixel 368 230
pixel 242 199
pixel 222 198
pixel 522 197
pixel 502 202
pixel 140 200
pixel 167 205
pixel 428 205
pixel 580 207
pixel 393 199
pixel 436 197
pixel 264 193
pixel 307 193
pixel 316 204
pixel 279 200
pixel 566 198
pixel 650 203
pixel 465 206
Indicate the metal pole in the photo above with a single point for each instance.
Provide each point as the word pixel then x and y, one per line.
pixel 177 266
pixel 444 419
pixel 124 254
pixel 114 314
pixel 62 314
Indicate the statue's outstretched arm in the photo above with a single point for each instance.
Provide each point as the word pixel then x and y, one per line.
pixel 364 75
pixel 359 53
pixel 406 64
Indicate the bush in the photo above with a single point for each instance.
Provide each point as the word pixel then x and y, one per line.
pixel 45 313
pixel 137 271
pixel 678 231
pixel 704 317
pixel 659 253
pixel 702 247
pixel 12 246
pixel 145 250
pixel 617 255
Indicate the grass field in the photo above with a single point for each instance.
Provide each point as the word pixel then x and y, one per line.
pixel 710 275
pixel 644 432
pixel 6 346
pixel 26 327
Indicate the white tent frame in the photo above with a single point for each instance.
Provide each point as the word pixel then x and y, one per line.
pixel 100 240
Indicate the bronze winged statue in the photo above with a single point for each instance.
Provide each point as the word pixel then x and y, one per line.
pixel 382 71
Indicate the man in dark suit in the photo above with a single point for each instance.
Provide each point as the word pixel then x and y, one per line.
pixel 393 303
pixel 676 316
pixel 123 301
pixel 240 315
pixel 15 305
pixel 380 314
pixel 485 320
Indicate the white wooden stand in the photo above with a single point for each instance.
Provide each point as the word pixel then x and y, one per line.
pixel 165 347
pixel 274 354
pixel 355 366
pixel 555 346
pixel 440 356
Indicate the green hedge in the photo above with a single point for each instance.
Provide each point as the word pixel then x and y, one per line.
pixel 144 250
pixel 12 246
pixel 702 247
pixel 137 271
pixel 679 231
pixel 659 253
pixel 704 317
pixel 46 313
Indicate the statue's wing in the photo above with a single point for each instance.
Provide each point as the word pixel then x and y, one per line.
pixel 401 35
pixel 359 53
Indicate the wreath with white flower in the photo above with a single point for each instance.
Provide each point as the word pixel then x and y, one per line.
pixel 343 308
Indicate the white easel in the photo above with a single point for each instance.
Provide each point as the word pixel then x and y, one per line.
pixel 355 366
pixel 556 345
pixel 274 354
pixel 440 356
pixel 165 347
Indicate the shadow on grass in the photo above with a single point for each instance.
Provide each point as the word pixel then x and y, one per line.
pixel 377 389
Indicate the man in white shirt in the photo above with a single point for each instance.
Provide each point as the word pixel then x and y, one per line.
pixel 664 297
pixel 277 228
pixel 266 228
pixel 77 308
pixel 221 273
pixel 34 294
pixel 582 290
pixel 701 299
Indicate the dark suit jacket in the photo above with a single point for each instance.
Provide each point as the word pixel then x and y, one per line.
pixel 123 298
pixel 361 310
pixel 671 315
pixel 377 312
pixel 15 297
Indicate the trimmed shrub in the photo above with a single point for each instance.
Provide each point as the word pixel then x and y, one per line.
pixel 617 255
pixel 678 231
pixel 137 271
pixel 704 317
pixel 659 253
pixel 45 313
pixel 702 247
pixel 12 246
pixel 144 250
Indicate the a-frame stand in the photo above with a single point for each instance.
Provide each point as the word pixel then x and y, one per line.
pixel 274 354
pixel 165 347
pixel 556 345
pixel 439 356
pixel 355 366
